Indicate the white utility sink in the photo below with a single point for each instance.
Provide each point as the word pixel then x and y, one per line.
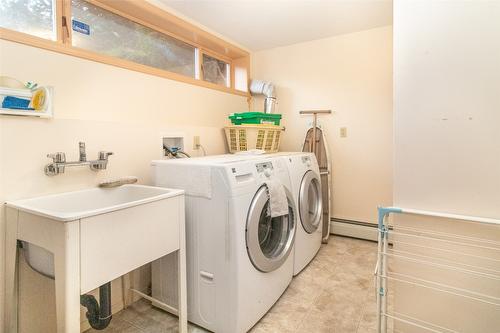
pixel 71 206
pixel 87 238
pixel 75 205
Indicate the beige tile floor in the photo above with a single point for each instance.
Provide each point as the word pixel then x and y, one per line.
pixel 333 294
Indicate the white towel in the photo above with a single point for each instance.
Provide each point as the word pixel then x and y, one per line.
pixel 278 202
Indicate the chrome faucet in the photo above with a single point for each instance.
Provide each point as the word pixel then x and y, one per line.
pixel 59 163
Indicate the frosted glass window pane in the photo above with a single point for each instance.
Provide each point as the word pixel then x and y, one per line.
pixel 240 79
pixel 215 70
pixel 34 17
pixel 103 32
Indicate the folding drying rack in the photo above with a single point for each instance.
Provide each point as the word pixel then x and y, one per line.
pixel 440 241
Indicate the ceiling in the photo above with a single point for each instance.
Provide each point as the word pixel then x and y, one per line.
pixel 265 24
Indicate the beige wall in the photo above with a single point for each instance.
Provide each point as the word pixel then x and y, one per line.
pixel 447 146
pixel 352 75
pixel 110 109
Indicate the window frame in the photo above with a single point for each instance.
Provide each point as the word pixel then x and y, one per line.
pixel 63 45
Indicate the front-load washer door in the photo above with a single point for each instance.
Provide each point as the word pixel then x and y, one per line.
pixel 269 240
pixel 310 202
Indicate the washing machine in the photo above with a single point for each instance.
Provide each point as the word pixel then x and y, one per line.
pixel 306 188
pixel 239 260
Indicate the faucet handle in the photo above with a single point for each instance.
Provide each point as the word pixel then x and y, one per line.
pixel 83 154
pixel 103 155
pixel 58 157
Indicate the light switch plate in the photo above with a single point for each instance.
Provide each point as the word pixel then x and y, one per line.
pixel 343 132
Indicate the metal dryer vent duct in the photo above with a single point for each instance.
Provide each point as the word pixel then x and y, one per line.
pixel 265 88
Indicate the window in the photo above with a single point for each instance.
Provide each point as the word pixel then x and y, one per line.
pixel 133 34
pixel 103 32
pixel 215 71
pixel 34 17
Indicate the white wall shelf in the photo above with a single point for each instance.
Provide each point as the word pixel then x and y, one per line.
pixel 46 112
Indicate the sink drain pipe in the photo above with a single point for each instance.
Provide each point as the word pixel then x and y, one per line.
pixel 98 315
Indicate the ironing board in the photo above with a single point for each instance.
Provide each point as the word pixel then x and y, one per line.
pixel 320 148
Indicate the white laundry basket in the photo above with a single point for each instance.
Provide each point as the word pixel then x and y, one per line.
pixel 247 137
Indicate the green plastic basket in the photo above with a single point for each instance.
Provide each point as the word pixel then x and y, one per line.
pixel 255 118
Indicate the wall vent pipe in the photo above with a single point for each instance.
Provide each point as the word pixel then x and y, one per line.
pixel 98 315
pixel 258 87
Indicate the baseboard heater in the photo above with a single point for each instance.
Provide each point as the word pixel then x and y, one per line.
pixel 356 229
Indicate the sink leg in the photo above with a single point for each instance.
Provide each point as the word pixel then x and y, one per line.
pixel 11 272
pixel 181 257
pixel 67 279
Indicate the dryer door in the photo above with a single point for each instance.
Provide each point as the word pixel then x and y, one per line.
pixel 269 240
pixel 310 202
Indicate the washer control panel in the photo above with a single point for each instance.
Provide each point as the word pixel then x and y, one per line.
pixel 265 168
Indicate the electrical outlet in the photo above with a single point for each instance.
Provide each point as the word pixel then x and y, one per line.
pixel 196 142
pixel 343 132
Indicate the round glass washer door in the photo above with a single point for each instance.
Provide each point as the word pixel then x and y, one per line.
pixel 310 202
pixel 269 240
